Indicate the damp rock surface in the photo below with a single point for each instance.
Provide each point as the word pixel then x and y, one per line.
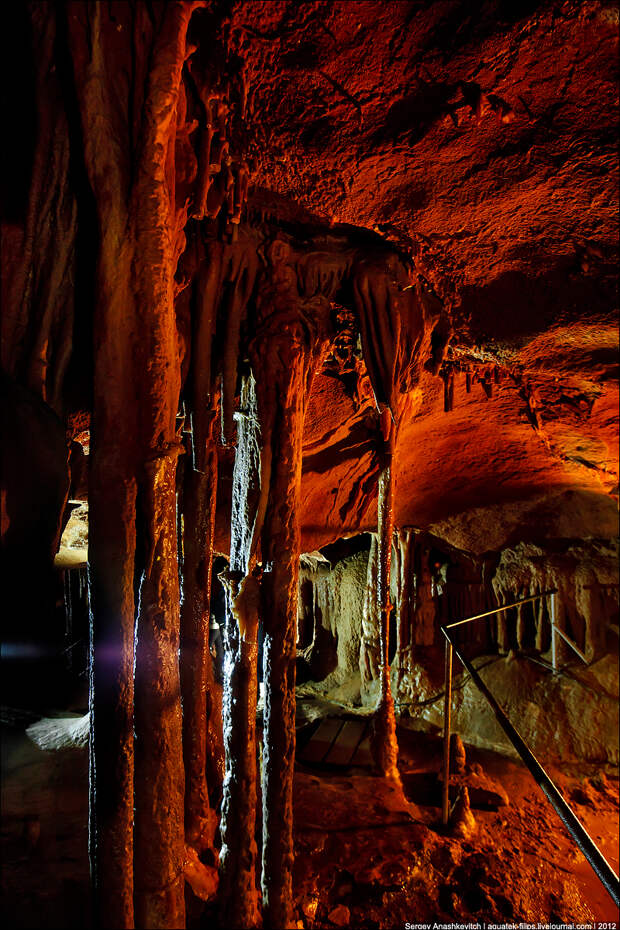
pixel 386 858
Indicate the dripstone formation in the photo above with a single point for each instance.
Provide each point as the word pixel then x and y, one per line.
pixel 274 276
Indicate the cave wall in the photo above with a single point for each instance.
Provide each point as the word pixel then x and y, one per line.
pixel 568 716
pixel 330 618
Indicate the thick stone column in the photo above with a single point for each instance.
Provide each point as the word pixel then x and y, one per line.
pixel 112 499
pixel 238 892
pixel 282 398
pixel 160 778
pixel 202 731
pixel 129 135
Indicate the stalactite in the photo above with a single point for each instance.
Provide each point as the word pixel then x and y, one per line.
pixel 202 743
pixel 201 374
pixel 240 278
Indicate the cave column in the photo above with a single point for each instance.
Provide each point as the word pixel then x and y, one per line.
pixel 137 362
pixel 385 746
pixel 111 545
pixel 159 834
pixel 291 345
pixel 281 551
pixel 112 499
pixel 238 892
pixel 201 729
pixel 156 225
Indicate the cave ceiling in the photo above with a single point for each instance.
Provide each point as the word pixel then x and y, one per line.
pixel 477 139
pixel 481 139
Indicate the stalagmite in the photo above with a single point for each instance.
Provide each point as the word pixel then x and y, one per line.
pixel 238 894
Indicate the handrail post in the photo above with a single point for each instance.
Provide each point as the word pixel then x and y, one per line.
pixel 445 807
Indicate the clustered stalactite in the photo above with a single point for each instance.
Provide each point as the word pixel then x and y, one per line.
pixel 204 323
pixel 140 167
pixel 586 593
pixel 431 587
pixel 210 322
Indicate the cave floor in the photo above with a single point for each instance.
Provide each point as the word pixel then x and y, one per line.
pixel 379 858
pixel 367 855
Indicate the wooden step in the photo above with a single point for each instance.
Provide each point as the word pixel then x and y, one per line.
pixel 321 741
pixel 346 743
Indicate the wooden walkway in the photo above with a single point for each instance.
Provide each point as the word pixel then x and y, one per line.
pixel 338 742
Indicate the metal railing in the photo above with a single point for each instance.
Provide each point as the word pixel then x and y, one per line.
pixel 576 829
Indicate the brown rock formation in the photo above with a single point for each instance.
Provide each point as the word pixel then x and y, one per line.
pixel 380 243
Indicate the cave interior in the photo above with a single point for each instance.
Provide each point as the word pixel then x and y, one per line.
pixel 309 350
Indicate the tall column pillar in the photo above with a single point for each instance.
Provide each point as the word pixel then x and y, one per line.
pixel 238 892
pixel 283 405
pixel 200 705
pixel 160 778
pixel 384 743
pixel 112 498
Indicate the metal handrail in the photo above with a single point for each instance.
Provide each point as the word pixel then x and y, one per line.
pixel 576 829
